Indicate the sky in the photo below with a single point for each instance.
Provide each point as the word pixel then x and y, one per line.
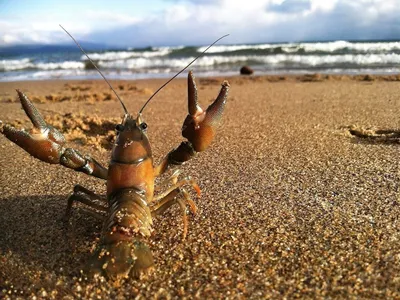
pixel 141 23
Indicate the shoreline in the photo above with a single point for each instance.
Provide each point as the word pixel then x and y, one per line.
pixel 308 76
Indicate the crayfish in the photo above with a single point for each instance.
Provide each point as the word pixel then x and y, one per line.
pixel 130 200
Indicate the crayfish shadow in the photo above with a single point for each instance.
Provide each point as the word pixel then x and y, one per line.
pixel 33 229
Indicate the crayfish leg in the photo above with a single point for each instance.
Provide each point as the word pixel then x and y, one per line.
pixel 171 196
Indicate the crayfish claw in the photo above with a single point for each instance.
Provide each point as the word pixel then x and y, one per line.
pixel 215 110
pixel 193 106
pixel 199 126
pixel 31 111
pixel 42 141
pixel 47 143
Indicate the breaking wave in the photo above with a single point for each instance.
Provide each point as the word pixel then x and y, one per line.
pixel 336 56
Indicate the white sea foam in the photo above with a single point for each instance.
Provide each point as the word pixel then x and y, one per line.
pixel 359 47
pixel 231 48
pixel 318 60
pixel 328 47
pixel 26 63
pixel 61 65
pixel 116 55
pixel 15 64
pixel 141 63
pixel 56 74
pixel 278 59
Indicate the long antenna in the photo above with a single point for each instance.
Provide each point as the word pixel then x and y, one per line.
pixel 122 103
pixel 161 87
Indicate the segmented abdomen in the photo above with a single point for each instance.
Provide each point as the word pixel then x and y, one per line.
pixel 128 215
pixel 122 251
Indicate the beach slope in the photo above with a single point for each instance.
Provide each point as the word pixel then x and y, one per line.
pixel 300 191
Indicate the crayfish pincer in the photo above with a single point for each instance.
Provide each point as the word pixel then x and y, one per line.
pixel 130 202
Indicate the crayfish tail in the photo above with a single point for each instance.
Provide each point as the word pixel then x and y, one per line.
pixel 122 252
pixel 144 260
pixel 120 260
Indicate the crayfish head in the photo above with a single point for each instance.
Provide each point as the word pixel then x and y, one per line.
pixel 131 143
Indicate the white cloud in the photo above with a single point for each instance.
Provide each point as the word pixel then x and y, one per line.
pixel 46 30
pixel 177 14
pixel 199 22
pixel 323 5
pixel 9 39
pixel 112 19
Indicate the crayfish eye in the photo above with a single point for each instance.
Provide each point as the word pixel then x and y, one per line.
pixel 143 126
pixel 119 127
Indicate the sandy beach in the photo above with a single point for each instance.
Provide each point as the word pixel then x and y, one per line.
pixel 300 191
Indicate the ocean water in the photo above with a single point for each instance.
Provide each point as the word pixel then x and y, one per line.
pixel 336 57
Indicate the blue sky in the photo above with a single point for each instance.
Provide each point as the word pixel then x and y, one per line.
pixel 195 22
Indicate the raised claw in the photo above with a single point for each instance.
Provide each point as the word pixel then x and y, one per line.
pixel 43 141
pixel 199 126
pixel 47 143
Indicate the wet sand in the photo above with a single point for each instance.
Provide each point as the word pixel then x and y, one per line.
pixel 300 191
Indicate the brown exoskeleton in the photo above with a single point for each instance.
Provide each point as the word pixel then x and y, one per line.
pixel 131 203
